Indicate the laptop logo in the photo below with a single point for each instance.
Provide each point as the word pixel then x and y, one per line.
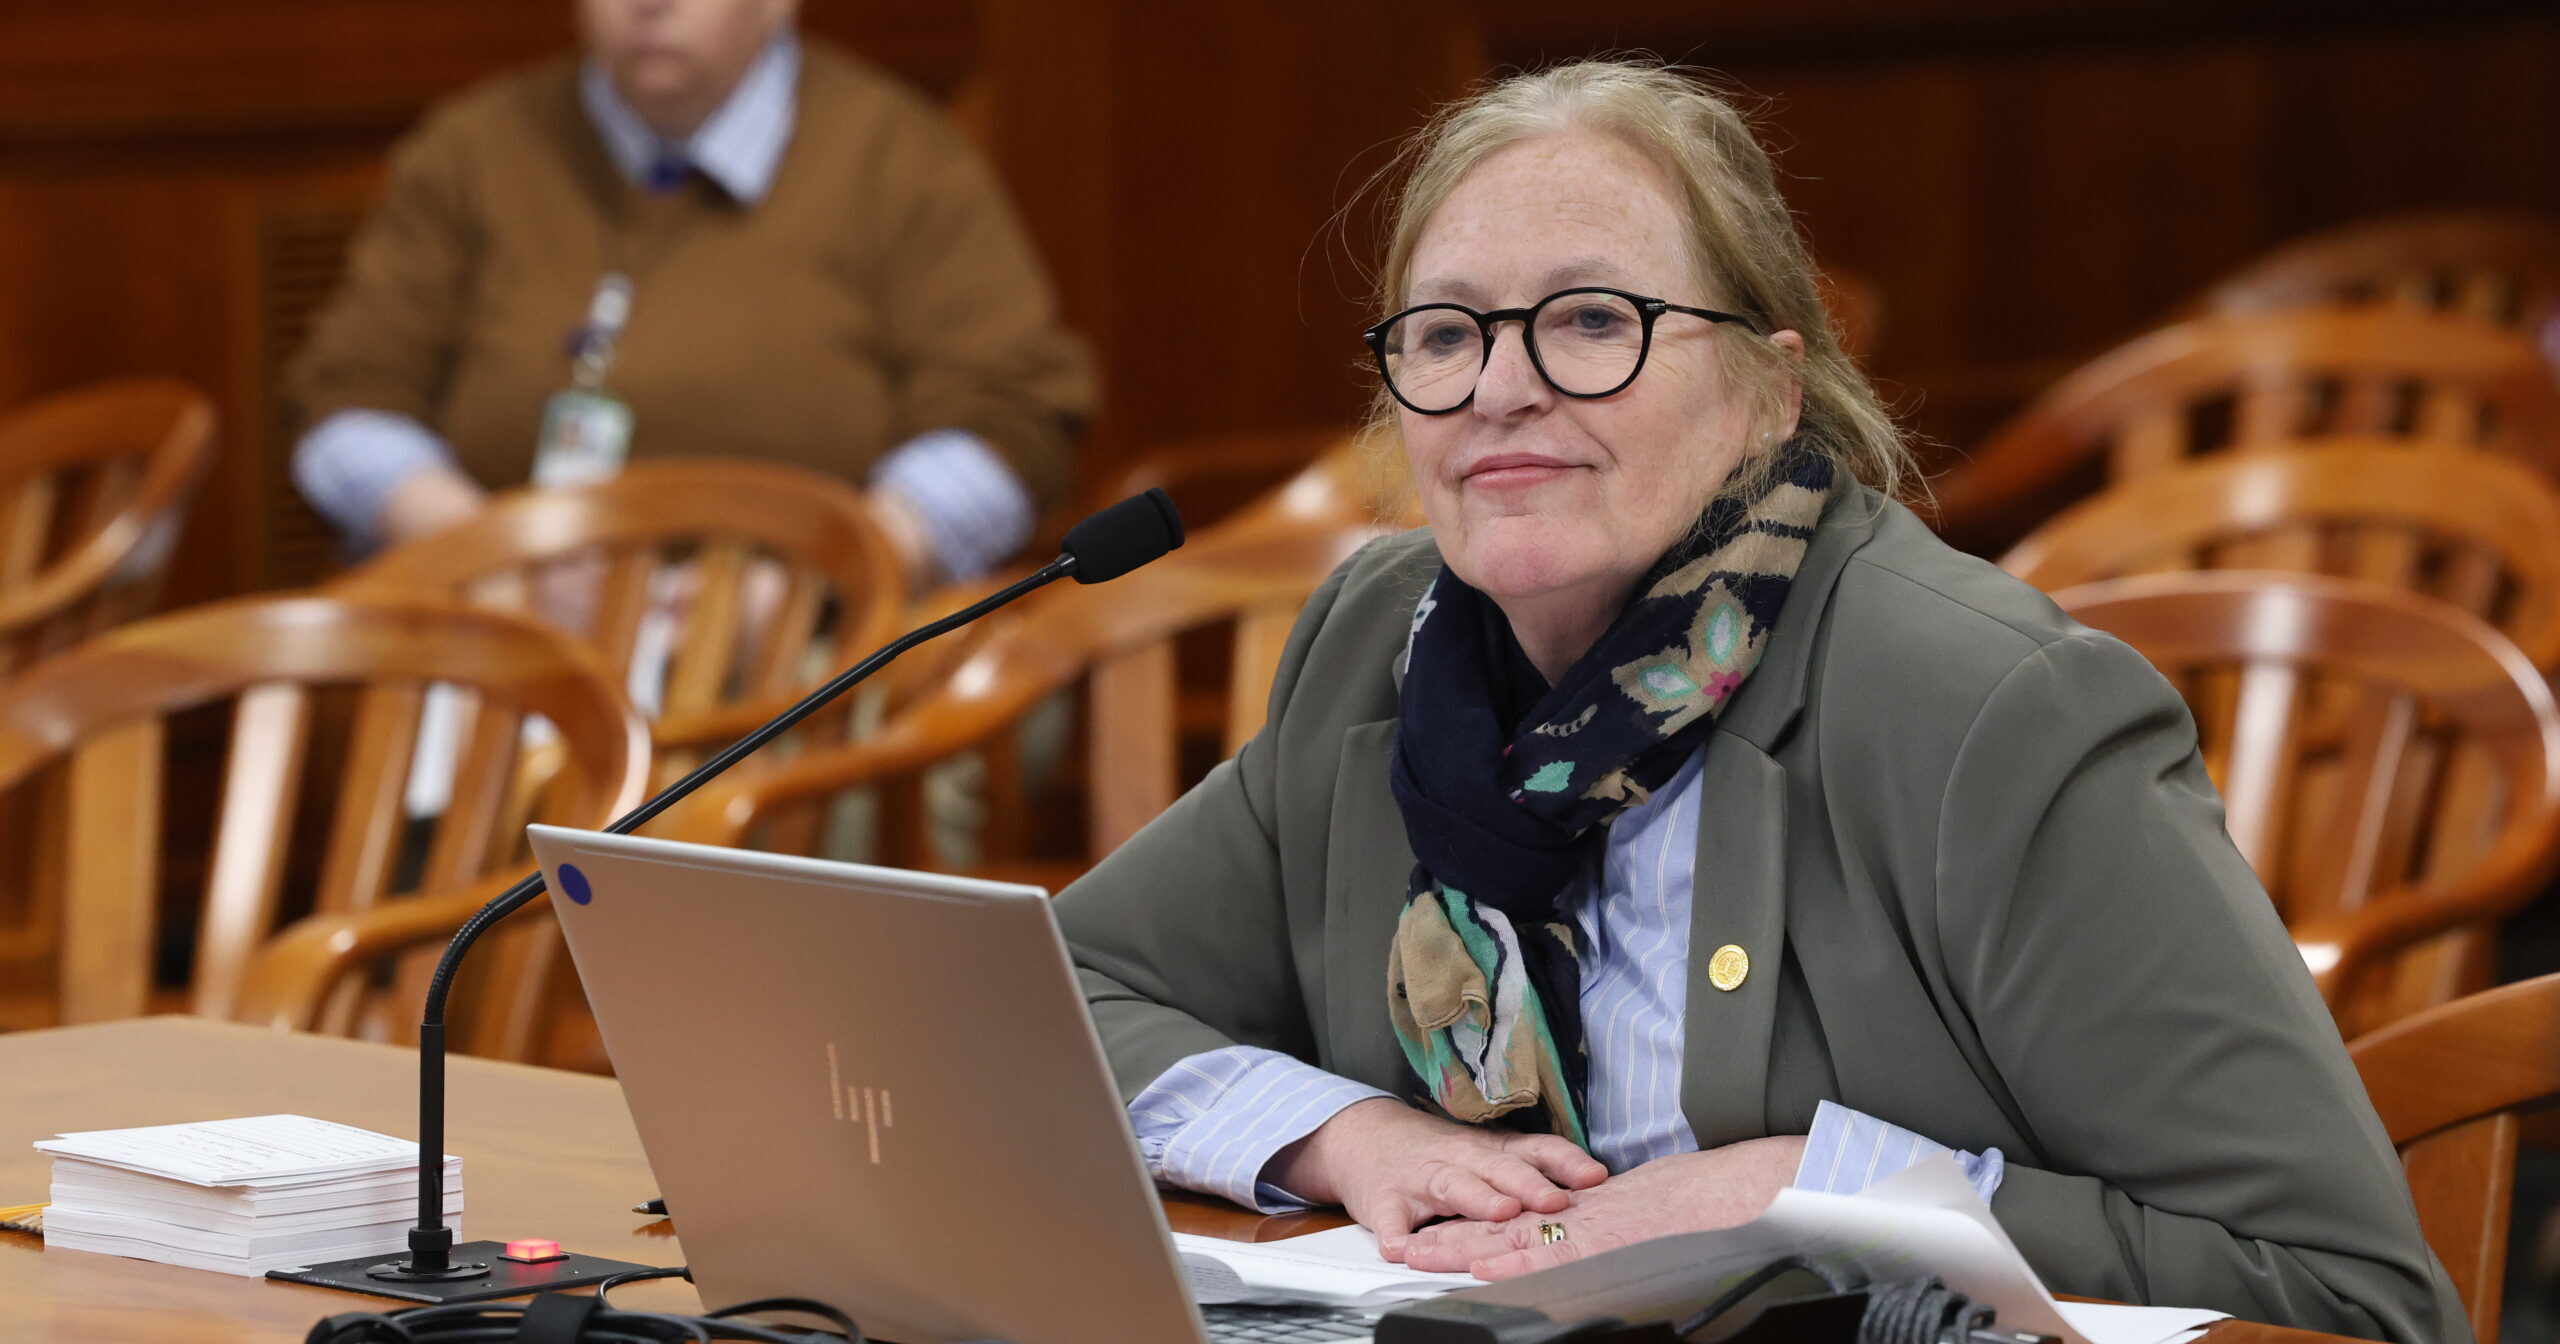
pixel 868 1107
pixel 574 884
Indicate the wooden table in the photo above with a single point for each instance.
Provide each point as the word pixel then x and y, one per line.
pixel 544 1154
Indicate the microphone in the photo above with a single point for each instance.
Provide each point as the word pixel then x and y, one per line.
pixel 1121 538
pixel 1104 546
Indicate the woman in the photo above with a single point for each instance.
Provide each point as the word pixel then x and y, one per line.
pixel 1677 819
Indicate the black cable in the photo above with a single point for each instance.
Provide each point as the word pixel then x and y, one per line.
pixel 684 1272
pixel 501 1322
pixel 1920 1311
pixel 1758 1280
pixel 807 1306
pixel 1914 1311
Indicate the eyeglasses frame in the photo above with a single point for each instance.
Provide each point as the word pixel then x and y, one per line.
pixel 1649 309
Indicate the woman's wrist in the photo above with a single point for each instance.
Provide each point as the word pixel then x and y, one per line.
pixel 1308 1168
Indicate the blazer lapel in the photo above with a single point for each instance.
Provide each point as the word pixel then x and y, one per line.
pixel 1739 902
pixel 1367 866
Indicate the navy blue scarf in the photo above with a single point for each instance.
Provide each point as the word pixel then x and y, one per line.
pixel 1508 786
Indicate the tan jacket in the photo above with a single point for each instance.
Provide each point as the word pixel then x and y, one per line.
pixel 1986 893
pixel 883 288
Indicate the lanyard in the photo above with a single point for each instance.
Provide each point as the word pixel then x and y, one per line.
pixel 593 344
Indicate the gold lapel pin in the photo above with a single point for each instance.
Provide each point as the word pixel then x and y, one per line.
pixel 1729 967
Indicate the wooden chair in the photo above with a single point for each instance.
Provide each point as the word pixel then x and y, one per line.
pixel 2235 383
pixel 2452 1085
pixel 2490 267
pixel 730 529
pixel 322 694
pixel 1349 484
pixel 2480 532
pixel 94 483
pixel 1216 476
pixel 1120 639
pixel 2394 847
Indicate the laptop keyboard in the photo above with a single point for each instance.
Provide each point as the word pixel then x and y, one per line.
pixel 1236 1324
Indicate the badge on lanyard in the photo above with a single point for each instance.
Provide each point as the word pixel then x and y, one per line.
pixel 586 430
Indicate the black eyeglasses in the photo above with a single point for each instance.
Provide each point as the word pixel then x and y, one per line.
pixel 1587 342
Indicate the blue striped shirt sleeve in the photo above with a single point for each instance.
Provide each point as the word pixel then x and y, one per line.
pixel 976 512
pixel 1213 1121
pixel 348 464
pixel 1851 1150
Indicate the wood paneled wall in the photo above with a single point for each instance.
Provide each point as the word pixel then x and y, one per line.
pixel 2029 183
pixel 2025 182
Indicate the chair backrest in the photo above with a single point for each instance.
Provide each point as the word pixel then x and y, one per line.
pixel 323 696
pixel 1216 476
pixel 2450 1085
pixel 2389 765
pixel 2479 532
pixel 94 483
pixel 1140 715
pixel 1122 637
pixel 764 579
pixel 2234 383
pixel 1351 483
pixel 2490 267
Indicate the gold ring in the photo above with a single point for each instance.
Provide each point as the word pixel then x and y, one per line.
pixel 1550 1233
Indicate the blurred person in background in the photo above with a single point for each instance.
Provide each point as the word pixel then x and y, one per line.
pixel 702 235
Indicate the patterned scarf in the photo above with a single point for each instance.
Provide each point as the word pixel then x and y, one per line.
pixel 1508 787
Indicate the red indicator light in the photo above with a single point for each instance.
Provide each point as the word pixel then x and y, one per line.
pixel 533 1251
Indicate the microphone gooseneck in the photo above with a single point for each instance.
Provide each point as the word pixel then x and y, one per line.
pixel 1104 546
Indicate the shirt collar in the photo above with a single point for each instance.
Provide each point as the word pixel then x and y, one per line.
pixel 739 146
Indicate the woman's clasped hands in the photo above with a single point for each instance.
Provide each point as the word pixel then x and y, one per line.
pixel 1397 1171
pixel 1393 1168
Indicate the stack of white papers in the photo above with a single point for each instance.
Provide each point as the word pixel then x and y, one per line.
pixel 1339 1268
pixel 238 1196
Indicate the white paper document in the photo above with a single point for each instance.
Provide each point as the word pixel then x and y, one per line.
pixel 1926 1220
pixel 1339 1268
pixel 251 1150
pixel 2109 1323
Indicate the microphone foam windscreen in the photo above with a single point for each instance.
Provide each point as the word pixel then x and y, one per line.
pixel 1118 539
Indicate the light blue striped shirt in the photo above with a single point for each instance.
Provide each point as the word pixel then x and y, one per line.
pixel 1214 1120
pixel 976 512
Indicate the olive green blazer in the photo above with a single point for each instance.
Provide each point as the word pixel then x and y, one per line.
pixel 1985 891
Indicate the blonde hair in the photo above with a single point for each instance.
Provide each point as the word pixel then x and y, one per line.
pixel 1743 243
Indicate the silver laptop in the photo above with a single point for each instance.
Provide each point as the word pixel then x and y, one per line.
pixel 879 1089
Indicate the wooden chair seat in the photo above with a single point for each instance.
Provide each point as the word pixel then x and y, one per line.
pixel 2393 849
pixel 2452 1086
pixel 322 695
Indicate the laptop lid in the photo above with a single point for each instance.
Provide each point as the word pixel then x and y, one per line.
pixel 873 1087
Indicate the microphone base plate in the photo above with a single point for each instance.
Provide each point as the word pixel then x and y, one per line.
pixel 504 1278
